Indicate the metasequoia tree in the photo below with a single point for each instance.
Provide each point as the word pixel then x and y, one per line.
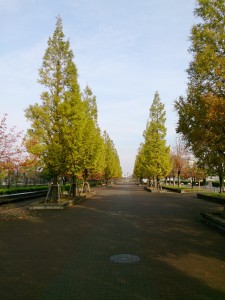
pixel 93 143
pixel 153 158
pixel 156 152
pixel 139 166
pixel 202 112
pixel 112 163
pixel 57 121
pixel 64 131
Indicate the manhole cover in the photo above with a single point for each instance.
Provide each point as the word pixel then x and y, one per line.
pixel 124 258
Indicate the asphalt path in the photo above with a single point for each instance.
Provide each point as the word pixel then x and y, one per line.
pixel 123 243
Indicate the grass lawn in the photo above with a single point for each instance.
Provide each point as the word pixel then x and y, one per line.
pixel 213 194
pixel 185 188
pixel 197 190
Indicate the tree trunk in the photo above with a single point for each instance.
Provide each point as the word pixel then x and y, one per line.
pixel 222 189
pixel 73 188
pixel 192 182
pixel 157 182
pixel 9 179
pixel 153 182
pixel 85 174
pixel 178 178
pixel 221 179
pixel 17 176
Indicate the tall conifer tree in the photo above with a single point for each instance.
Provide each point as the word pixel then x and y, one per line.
pixel 112 162
pixel 155 151
pixel 58 120
pixel 93 144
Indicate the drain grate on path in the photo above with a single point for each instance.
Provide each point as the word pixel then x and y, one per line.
pixel 124 258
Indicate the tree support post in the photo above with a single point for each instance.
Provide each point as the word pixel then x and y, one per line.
pixel 54 194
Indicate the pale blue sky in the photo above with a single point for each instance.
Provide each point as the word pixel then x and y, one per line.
pixel 125 50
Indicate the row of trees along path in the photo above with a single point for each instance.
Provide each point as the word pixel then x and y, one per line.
pixel 64 132
pixel 201 112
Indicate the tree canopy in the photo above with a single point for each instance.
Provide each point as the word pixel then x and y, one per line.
pixel 202 112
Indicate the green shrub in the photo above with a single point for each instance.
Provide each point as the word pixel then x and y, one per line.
pixel 215 184
pixel 22 190
pixel 65 187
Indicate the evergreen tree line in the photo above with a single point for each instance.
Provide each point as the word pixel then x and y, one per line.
pixel 64 134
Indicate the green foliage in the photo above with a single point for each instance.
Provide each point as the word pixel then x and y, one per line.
pixel 153 159
pixel 202 112
pixel 216 184
pixel 112 162
pixel 93 143
pixel 22 190
pixel 186 189
pixel 64 132
pixel 139 166
pixel 214 195
pixel 60 103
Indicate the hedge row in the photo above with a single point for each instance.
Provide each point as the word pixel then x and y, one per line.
pixel 16 190
pixel 22 190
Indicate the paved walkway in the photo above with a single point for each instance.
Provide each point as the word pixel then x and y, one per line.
pixel 57 255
